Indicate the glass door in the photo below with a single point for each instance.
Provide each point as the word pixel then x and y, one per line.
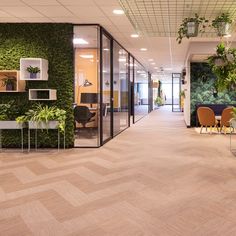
pixel 176 86
pixel 106 89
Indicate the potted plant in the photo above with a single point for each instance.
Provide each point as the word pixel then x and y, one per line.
pixel 9 81
pixel 190 27
pixel 44 117
pixel 33 71
pixel 222 24
pixel 223 65
pixel 158 101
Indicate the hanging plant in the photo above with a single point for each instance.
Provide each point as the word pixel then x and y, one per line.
pixel 222 24
pixel 191 26
pixel 223 65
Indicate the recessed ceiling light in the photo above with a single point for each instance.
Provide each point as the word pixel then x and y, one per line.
pixel 80 41
pixel 134 35
pixel 227 36
pixel 153 63
pixel 150 59
pixel 168 69
pixel 143 49
pixel 118 12
pixel 156 68
pixel 105 49
pixel 86 56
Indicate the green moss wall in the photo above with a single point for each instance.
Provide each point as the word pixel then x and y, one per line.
pixel 202 87
pixel 54 43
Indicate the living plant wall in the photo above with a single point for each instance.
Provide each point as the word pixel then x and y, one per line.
pixel 203 90
pixel 49 41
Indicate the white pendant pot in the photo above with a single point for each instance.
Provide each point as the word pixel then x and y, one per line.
pixel 43 125
pixel 219 62
pixel 192 29
pixel 223 28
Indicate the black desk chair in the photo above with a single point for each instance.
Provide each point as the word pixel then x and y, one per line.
pixel 83 115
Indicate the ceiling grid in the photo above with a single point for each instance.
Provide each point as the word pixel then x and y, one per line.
pixel 159 18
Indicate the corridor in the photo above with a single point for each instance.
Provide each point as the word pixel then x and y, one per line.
pixel 155 178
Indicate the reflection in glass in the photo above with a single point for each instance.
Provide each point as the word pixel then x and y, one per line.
pixel 106 88
pixel 140 92
pixel 86 86
pixel 120 89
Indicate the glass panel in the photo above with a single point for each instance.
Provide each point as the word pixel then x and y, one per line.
pixel 120 89
pixel 106 87
pixel 176 83
pixel 140 92
pixel 86 106
pixel 131 76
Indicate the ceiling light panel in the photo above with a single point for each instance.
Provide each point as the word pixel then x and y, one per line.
pixel 158 18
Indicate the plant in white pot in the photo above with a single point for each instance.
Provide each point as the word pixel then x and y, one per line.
pixel 223 24
pixel 191 26
pixel 44 117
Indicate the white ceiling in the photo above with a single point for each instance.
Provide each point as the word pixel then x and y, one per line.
pixel 164 51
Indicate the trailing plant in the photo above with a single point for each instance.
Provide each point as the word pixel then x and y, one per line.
pixel 40 113
pixel 224 17
pixel 223 65
pixel 33 70
pixel 183 30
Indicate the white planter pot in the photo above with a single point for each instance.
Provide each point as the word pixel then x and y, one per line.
pixel 223 28
pixel 10 124
pixel 43 125
pixel 192 29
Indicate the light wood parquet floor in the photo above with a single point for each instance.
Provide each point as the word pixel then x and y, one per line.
pixel 156 178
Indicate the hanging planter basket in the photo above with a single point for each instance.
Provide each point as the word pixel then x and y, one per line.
pixel 192 29
pixel 223 28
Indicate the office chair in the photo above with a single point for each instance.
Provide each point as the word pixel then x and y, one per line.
pixel 83 115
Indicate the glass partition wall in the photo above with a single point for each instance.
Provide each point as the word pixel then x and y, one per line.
pixel 141 88
pixel 86 86
pixel 109 87
pixel 120 89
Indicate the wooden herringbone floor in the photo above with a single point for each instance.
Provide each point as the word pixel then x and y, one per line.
pixel 156 178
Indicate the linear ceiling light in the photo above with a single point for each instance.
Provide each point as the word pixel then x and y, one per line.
pixel 80 41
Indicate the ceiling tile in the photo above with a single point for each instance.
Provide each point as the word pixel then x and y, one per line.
pixel 107 2
pixel 11 3
pixel 4 14
pixel 10 20
pixel 21 11
pixel 76 2
pixel 66 19
pixel 53 11
pixel 41 2
pixel 84 11
pixel 36 19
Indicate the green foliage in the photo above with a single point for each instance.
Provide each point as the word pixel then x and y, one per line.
pixel 224 17
pixel 33 70
pixel 182 94
pixel 8 111
pixel 183 32
pixel 158 101
pixel 54 43
pixel 223 65
pixel 44 113
pixel 203 88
